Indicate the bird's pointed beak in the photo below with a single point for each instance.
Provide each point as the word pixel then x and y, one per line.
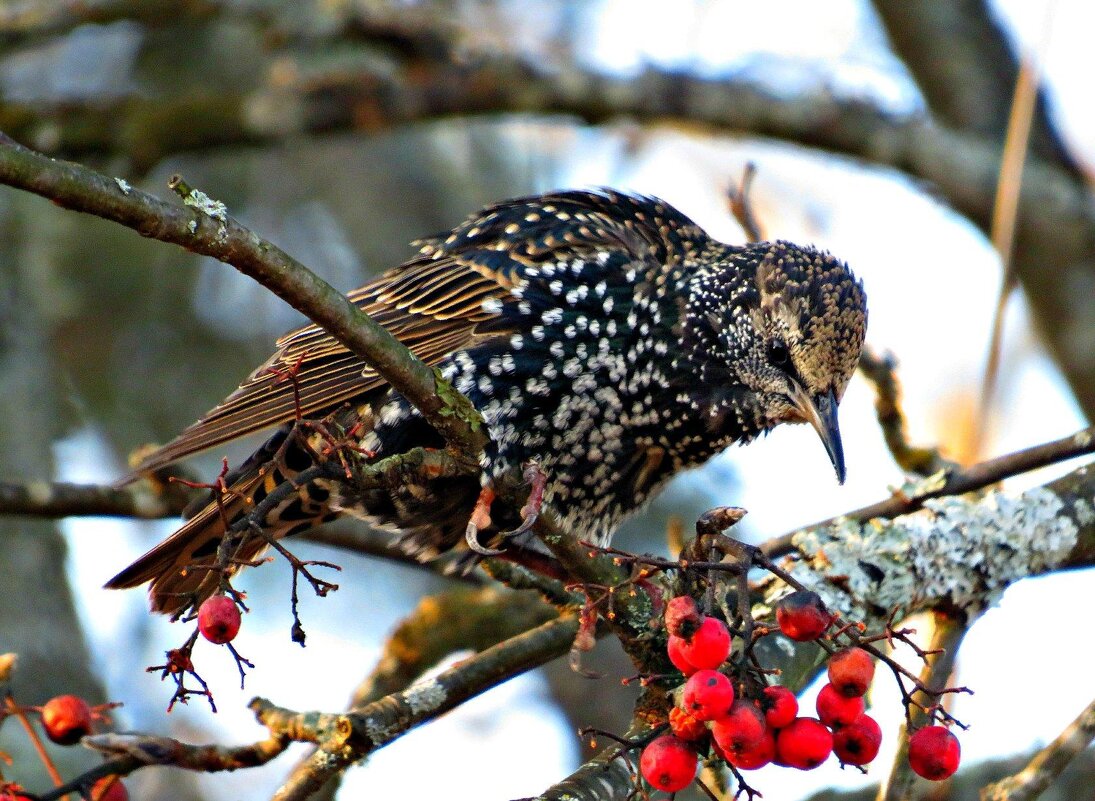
pixel 820 412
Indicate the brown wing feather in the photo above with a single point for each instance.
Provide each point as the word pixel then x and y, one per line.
pixel 432 305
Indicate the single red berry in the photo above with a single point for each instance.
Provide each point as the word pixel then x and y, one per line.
pixel 686 727
pixel 109 788
pixel 763 752
pixel 668 764
pixel 858 742
pixel 707 695
pixel 779 705
pixel 66 719
pixel 219 619
pixel 682 616
pixel 677 657
pixel 741 730
pixel 804 744
pixel 709 646
pixel 851 671
pixel 838 710
pixel 802 616
pixel 934 753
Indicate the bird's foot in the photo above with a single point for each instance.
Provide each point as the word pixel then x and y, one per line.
pixel 530 512
pixel 480 519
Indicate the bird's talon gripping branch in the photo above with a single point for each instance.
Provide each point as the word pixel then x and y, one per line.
pixel 530 512
pixel 479 520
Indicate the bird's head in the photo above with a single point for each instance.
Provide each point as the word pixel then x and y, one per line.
pixel 793 331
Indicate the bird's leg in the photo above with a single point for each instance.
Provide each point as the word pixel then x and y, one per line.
pixel 480 519
pixel 530 512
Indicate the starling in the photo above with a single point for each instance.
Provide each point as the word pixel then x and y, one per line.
pixel 602 336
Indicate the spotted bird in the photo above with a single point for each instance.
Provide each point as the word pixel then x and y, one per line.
pixel 602 335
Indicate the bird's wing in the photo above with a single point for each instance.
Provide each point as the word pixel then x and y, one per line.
pixel 438 302
pixel 432 304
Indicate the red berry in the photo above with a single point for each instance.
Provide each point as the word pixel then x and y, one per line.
pixel 707 695
pixel 756 757
pixel 934 753
pixel 802 616
pixel 780 706
pixel 682 616
pixel 677 657
pixel 851 671
pixel 858 742
pixel 739 731
pixel 109 788
pixel 804 744
pixel 709 646
pixel 66 719
pixel 219 619
pixel 838 710
pixel 668 764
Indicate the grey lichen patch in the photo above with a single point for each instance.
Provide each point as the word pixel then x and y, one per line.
pixel 957 550
pixel 425 696
pixel 379 733
pixel 919 487
pixel 214 209
pixel 1084 512
pixel 123 185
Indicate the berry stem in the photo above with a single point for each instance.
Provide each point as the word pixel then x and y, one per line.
pixel 39 747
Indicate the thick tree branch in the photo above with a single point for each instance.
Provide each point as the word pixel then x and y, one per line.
pixel 203 226
pixel 960 56
pixel 60 499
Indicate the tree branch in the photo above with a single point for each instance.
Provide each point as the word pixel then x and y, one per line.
pixel 60 499
pixel 961 58
pixel 344 739
pixel 1047 764
pixel 957 482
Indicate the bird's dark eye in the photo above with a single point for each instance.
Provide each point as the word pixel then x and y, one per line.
pixel 778 353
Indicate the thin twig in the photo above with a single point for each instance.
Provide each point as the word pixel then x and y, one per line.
pixel 958 482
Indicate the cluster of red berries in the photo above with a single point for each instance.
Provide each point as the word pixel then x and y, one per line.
pixel 68 718
pixel 754 727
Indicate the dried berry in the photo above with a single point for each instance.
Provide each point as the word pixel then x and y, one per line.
pixel 682 616
pixel 686 727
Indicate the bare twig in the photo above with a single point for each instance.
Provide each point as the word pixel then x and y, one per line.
pixel 881 371
pixel 60 499
pixel 1047 764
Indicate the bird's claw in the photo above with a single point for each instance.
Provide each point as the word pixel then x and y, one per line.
pixel 530 512
pixel 480 519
